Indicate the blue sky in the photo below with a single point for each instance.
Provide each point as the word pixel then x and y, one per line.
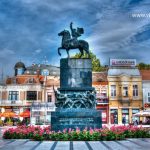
pixel 29 29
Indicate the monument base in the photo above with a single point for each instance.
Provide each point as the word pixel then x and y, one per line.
pixel 75 118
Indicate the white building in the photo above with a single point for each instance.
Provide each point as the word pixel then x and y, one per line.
pixel 146 88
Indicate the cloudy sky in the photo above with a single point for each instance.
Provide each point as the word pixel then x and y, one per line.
pixel 29 29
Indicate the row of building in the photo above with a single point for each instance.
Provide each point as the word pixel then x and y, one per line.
pixel 122 91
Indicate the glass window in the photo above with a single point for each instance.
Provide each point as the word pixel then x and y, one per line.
pixel 49 98
pixel 48 112
pixel 134 111
pixel 20 71
pixel 125 116
pixel 135 90
pixel 13 95
pixel 113 90
pixel 149 97
pixel 125 91
pixel 125 111
pixel 97 90
pixel 114 116
pixel 31 95
pixel 45 72
pixel 31 80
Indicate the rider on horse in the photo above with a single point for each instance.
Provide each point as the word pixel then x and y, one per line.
pixel 75 33
pixel 70 41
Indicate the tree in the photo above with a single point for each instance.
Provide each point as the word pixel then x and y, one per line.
pixel 143 66
pixel 96 66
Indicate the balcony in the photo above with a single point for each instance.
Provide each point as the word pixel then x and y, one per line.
pixel 40 106
pixel 125 100
pixel 12 103
pixel 102 100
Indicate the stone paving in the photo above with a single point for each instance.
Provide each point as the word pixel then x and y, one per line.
pixel 129 144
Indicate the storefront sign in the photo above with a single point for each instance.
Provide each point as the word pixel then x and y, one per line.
pixel 122 62
pixel 146 105
pixel 43 107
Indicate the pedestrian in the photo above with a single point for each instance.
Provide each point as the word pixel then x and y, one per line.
pixel 124 121
pixel 135 122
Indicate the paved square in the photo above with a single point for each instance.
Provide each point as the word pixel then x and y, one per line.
pixel 129 144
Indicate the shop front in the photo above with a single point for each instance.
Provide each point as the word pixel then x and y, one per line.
pixel 105 113
pixel 114 116
pixel 125 114
pixel 41 113
pixel 134 111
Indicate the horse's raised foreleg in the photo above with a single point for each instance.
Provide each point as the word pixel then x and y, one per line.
pixel 59 50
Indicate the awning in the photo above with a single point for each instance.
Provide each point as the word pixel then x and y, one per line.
pixel 8 114
pixel 142 114
pixel 25 114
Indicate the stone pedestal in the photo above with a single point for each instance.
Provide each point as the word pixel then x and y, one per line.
pixel 75 74
pixel 75 118
pixel 75 99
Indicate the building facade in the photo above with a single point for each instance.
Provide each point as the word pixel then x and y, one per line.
pixel 19 93
pixel 29 85
pixel 100 84
pixel 122 91
pixel 146 88
pixel 125 92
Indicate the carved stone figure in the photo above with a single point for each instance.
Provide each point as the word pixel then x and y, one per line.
pixel 78 100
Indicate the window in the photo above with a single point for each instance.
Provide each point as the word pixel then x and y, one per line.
pixel 13 95
pixel 31 95
pixel 125 91
pixel 114 116
pixel 45 72
pixel 49 98
pixel 125 114
pixel 126 111
pixel 31 80
pixel 103 91
pixel 149 97
pixel 113 90
pixel 97 90
pixel 134 111
pixel 135 90
pixel 20 71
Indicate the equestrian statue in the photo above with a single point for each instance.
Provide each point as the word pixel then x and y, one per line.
pixel 70 41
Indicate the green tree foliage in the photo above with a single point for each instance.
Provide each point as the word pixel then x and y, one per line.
pixel 143 66
pixel 96 65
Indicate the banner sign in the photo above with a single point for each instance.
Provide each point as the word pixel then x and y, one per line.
pixel 123 62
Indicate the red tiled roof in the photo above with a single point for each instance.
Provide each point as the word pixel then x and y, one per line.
pixel 99 77
pixel 145 74
pixel 22 79
pixel 100 83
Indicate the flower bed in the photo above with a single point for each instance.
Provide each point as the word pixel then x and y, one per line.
pixel 39 134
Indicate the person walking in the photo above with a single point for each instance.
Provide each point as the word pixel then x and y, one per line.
pixel 135 122
pixel 124 121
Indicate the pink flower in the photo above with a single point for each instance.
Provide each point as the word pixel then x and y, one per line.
pixel 77 130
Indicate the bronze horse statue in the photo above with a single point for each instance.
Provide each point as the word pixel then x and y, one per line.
pixel 69 43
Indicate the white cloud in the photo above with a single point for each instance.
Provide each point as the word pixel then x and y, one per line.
pixel 38 51
pixel 6 53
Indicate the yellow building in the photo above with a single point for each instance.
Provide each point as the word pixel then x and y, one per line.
pixel 125 93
